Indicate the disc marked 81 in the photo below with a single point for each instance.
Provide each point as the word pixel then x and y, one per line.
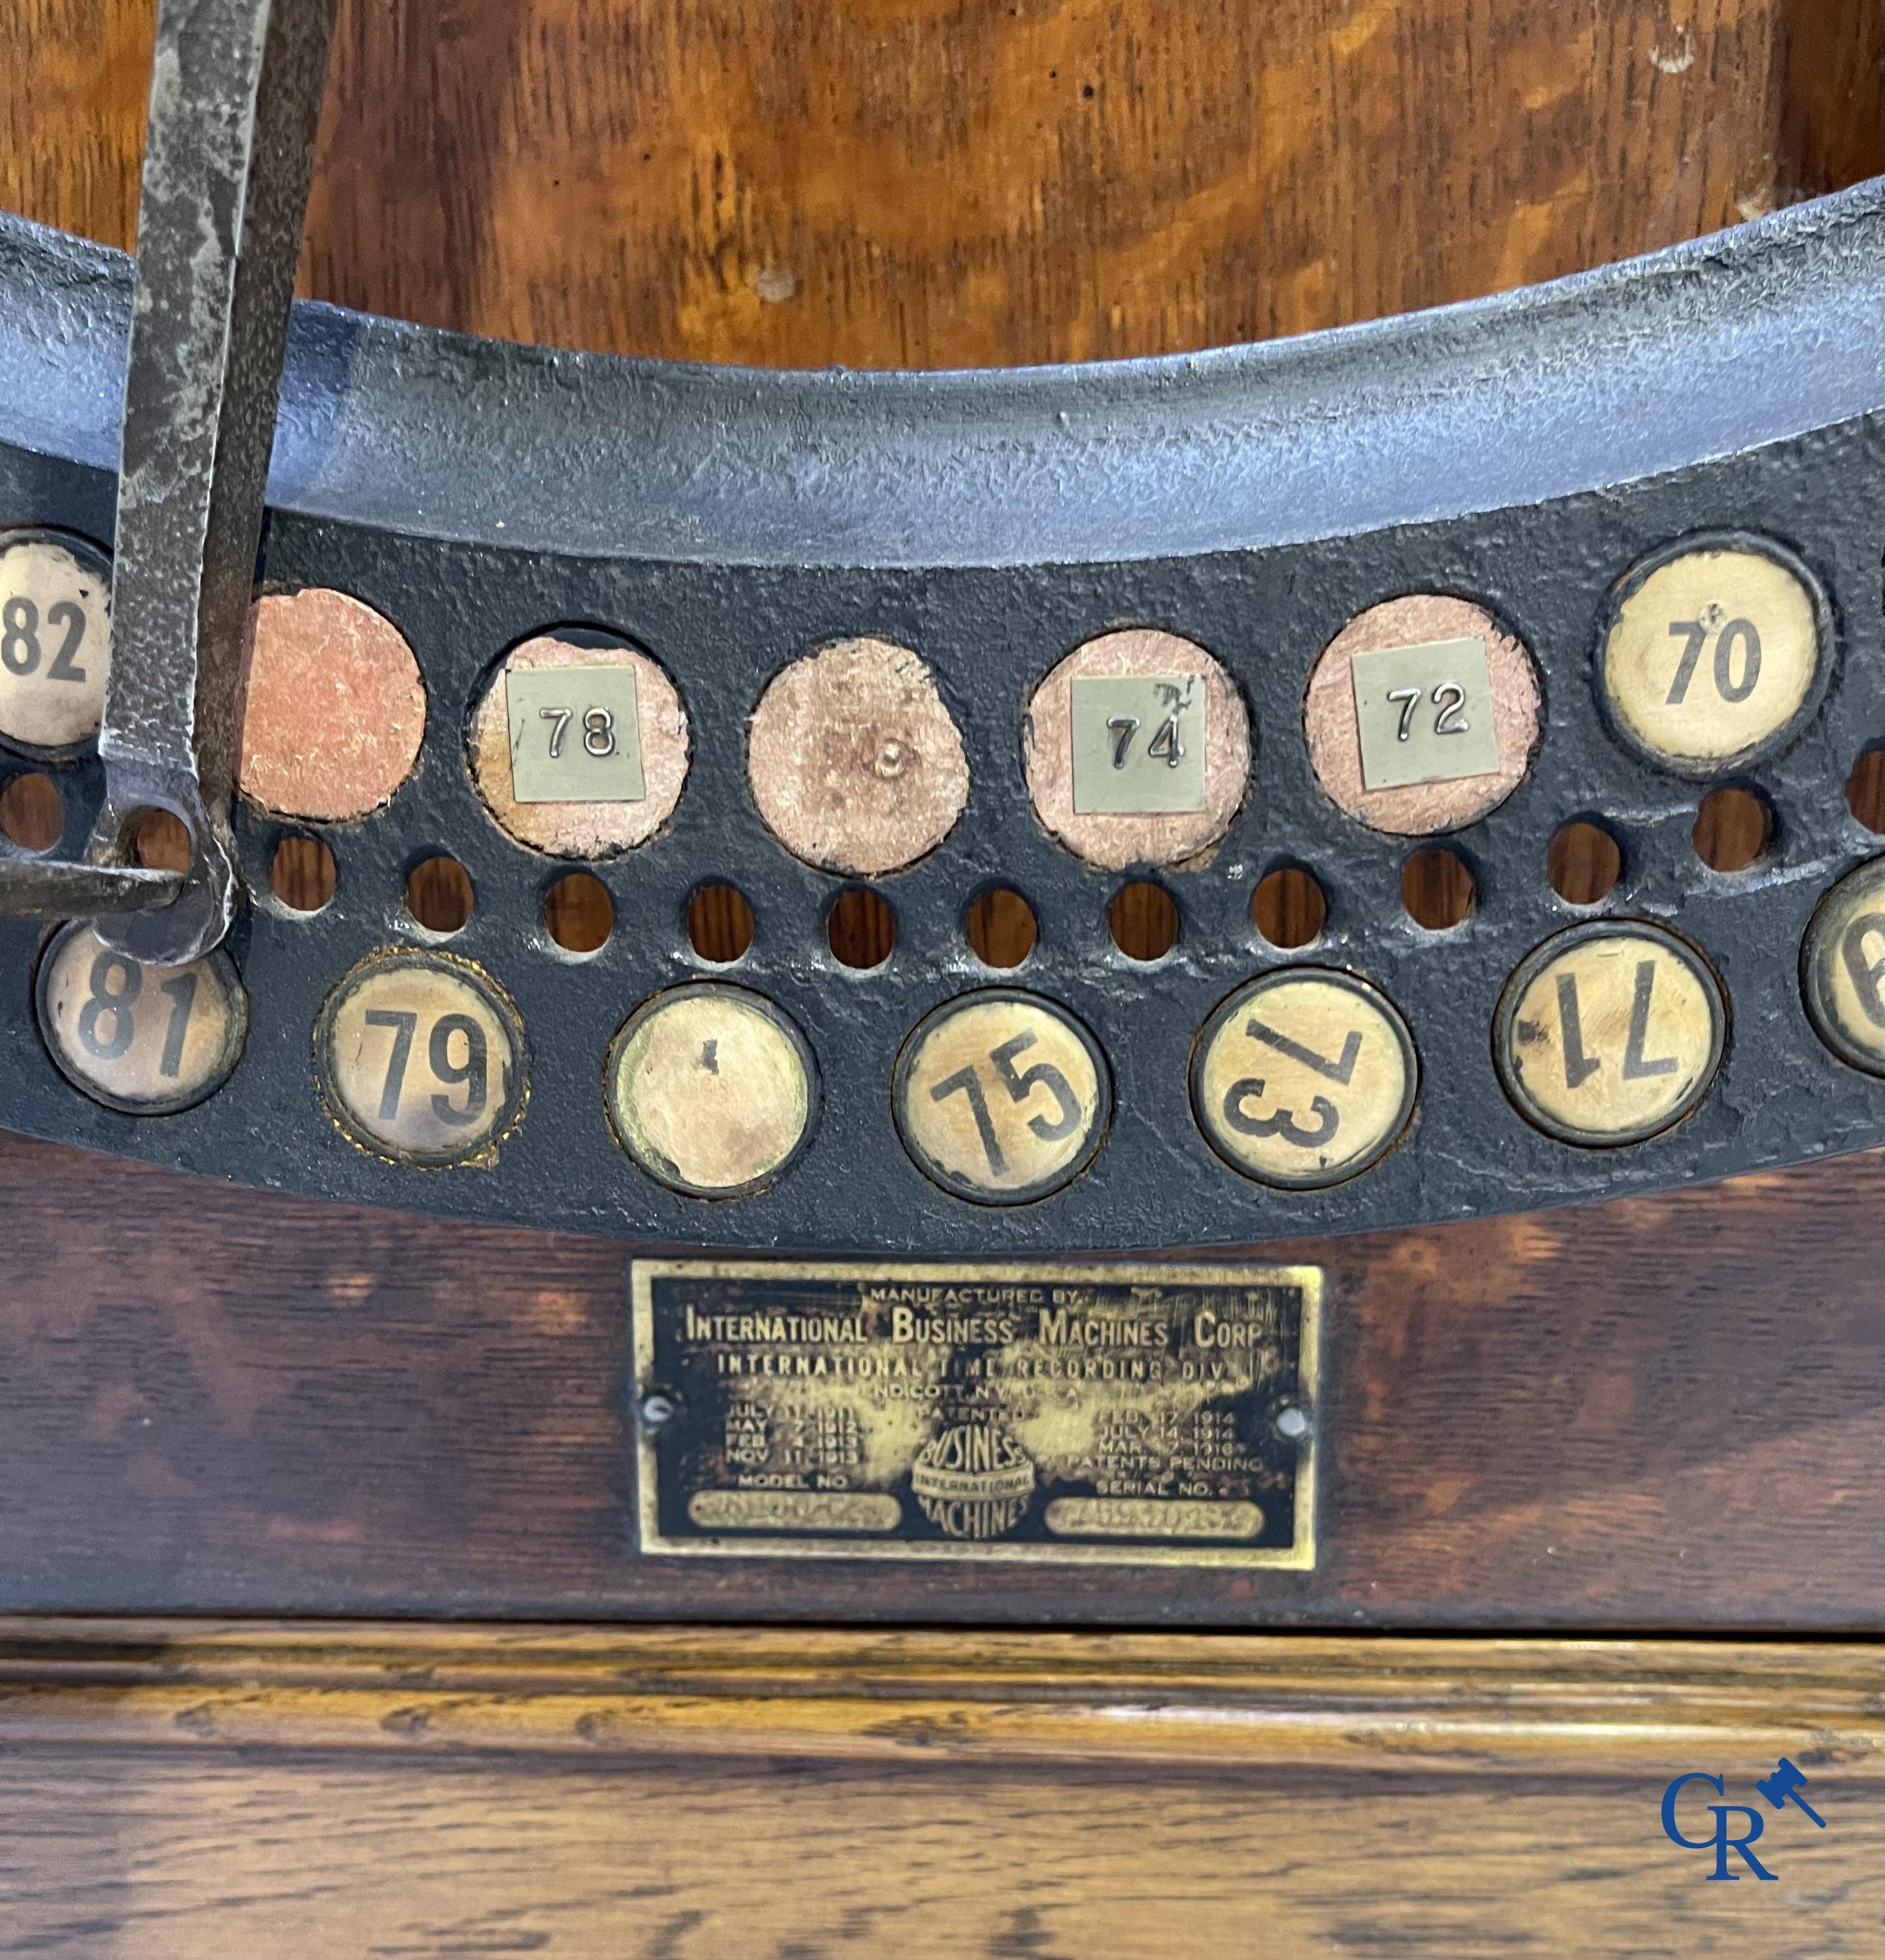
pixel 149 1040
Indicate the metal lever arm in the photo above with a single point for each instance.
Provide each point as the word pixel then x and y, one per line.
pixel 235 101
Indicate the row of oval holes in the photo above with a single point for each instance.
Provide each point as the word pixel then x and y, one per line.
pixel 1288 908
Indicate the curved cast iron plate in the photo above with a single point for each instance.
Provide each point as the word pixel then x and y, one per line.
pixel 1523 452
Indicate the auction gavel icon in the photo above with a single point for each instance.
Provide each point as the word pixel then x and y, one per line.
pixel 1784 1787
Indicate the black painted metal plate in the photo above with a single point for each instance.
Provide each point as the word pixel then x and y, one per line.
pixel 1525 454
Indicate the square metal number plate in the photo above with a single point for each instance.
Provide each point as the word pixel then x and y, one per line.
pixel 1139 744
pixel 1424 714
pixel 574 736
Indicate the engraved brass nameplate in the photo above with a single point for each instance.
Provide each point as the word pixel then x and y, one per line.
pixel 1060 1414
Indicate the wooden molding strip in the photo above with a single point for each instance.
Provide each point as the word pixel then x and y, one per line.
pixel 1521 1705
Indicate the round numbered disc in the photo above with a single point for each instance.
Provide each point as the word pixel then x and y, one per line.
pixel 1304 1077
pixel 55 638
pixel 1137 750
pixel 1610 1032
pixel 1001 1096
pixel 420 1058
pixel 143 1039
pixel 1842 968
pixel 579 744
pixel 1712 653
pixel 711 1090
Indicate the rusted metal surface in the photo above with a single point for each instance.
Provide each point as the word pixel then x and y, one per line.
pixel 235 96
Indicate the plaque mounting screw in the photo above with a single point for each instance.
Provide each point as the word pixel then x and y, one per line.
pixel 657 1410
pixel 1291 1424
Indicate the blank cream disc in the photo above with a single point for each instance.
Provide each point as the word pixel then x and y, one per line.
pixel 711 1089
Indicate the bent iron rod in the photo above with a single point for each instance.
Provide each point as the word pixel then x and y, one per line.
pixel 235 102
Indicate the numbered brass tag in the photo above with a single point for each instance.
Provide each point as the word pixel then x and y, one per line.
pixel 1304 1077
pixel 711 1089
pixel 55 638
pixel 149 1040
pixel 1712 653
pixel 1138 743
pixel 1001 1096
pixel 579 744
pixel 1610 1032
pixel 420 1057
pixel 1842 968
pixel 1424 714
pixel 1137 748
pixel 574 735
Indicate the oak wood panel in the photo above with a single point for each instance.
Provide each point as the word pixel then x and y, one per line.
pixel 172 1789
pixel 1659 1412
pixel 1385 1704
pixel 934 182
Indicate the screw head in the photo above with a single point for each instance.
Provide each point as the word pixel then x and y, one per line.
pixel 658 1410
pixel 1291 1424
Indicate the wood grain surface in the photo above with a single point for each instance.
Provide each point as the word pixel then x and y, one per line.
pixel 1443 1706
pixel 698 1794
pixel 127 1856
pixel 935 182
pixel 1656 1413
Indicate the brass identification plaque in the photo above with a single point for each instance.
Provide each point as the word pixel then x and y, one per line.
pixel 1131 1415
